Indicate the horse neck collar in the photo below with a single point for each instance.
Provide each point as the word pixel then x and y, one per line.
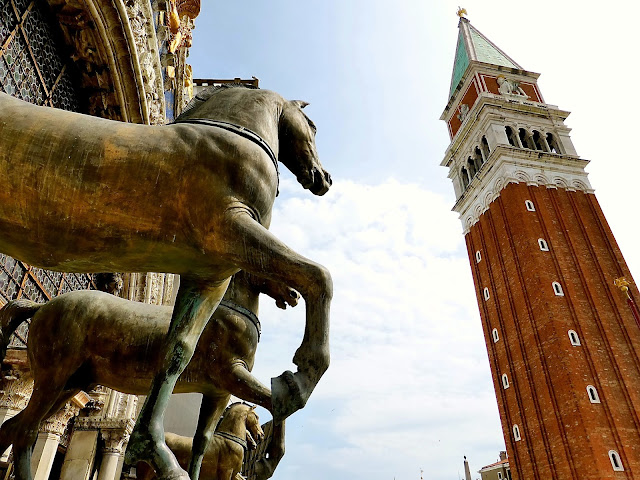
pixel 234 438
pixel 238 130
pixel 244 311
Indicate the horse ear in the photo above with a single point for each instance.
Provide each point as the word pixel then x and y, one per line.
pixel 300 103
pixel 253 408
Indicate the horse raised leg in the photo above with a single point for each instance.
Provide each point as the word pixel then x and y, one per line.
pixel 195 303
pixel 210 410
pixel 262 254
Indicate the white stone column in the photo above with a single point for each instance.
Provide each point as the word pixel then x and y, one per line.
pixel 81 454
pixel 44 453
pixel 51 430
pixel 83 444
pixel 115 434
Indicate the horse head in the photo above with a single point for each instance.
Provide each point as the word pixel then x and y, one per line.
pixel 297 148
pixel 255 434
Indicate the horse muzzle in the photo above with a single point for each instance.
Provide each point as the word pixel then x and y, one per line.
pixel 320 181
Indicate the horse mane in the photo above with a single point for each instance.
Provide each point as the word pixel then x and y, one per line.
pixel 206 94
pixel 235 404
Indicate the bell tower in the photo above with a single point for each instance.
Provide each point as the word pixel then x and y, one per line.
pixel 562 339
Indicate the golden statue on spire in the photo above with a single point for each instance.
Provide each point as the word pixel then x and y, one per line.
pixel 462 12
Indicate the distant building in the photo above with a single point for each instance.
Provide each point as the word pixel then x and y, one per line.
pixel 497 471
pixel 563 340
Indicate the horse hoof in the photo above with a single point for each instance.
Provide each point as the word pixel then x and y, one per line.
pixel 289 393
pixel 314 361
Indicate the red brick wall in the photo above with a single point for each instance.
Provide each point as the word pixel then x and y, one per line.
pixel 470 97
pixel 564 435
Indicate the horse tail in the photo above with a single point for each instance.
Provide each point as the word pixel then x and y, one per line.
pixel 11 316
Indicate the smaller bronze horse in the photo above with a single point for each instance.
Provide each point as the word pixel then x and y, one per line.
pixel 115 342
pixel 238 430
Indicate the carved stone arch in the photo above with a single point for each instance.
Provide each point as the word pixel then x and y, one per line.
pixel 522 176
pixel 469 222
pixel 489 198
pixel 560 182
pixel 541 179
pixel 478 210
pixel 499 184
pixel 103 45
pixel 578 185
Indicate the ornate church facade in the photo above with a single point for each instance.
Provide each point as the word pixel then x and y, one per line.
pixel 563 340
pixel 123 60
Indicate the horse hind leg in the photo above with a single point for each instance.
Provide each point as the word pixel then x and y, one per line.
pixel 195 303
pixel 22 430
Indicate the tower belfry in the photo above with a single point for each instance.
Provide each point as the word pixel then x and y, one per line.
pixel 563 344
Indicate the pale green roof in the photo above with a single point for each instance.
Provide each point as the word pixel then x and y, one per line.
pixel 474 46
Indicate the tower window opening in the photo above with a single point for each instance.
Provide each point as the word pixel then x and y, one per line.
pixel 557 289
pixel 544 246
pixel 484 147
pixel 505 381
pixel 573 337
pixel 494 334
pixel 538 141
pixel 593 394
pixel 525 139
pixel 478 157
pixel 615 461
pixel 465 177
pixel 486 293
pixel 516 433
pixel 499 475
pixel 554 146
pixel 472 167
pixel 530 206
pixel 512 137
pixel 478 256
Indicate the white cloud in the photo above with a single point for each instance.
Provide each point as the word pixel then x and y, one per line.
pixel 409 382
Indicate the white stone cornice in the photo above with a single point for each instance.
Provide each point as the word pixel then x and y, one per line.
pixel 514 165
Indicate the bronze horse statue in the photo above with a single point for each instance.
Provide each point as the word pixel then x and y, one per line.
pixel 114 342
pixel 85 194
pixel 238 430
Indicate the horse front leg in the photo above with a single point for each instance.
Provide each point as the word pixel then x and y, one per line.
pixel 195 303
pixel 266 466
pixel 262 254
pixel 240 382
pixel 210 410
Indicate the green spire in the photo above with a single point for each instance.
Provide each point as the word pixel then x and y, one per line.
pixel 474 46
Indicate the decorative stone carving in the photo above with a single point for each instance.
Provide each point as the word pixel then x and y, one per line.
pixel 115 434
pixel 109 282
pixel 510 88
pixel 190 8
pixel 141 20
pixel 568 174
pixel 15 389
pixel 464 111
pixel 57 423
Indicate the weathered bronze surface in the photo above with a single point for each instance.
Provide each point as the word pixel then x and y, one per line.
pixel 238 427
pixel 84 194
pixel 117 343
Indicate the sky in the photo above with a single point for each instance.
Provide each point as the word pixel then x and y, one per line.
pixel 409 387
